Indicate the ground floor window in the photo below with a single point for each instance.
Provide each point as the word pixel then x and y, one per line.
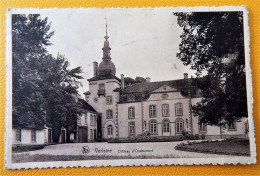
pixel 179 125
pixel 109 130
pixel 153 126
pixel 131 128
pixel 18 135
pixel 166 126
pixel 232 126
pixel 33 135
pixel 202 127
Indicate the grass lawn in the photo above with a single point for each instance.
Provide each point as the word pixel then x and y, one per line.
pixel 237 147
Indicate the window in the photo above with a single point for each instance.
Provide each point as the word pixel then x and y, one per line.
pixel 79 120
pixel 131 112
pixel 95 120
pixel 109 130
pixel 166 126
pixel 86 119
pixel 202 127
pixel 179 125
pixel 18 135
pixel 232 126
pixel 165 110
pixel 91 134
pixel 109 114
pixel 131 128
pixel 101 89
pixel 109 99
pixel 33 135
pixel 178 109
pixel 152 110
pixel 91 120
pixel 153 127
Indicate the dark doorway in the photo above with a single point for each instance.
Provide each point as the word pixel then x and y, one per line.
pixel 99 128
pixel 95 135
pixel 49 135
pixel 63 136
pixel 82 134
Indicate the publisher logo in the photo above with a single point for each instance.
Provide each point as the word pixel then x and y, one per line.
pixel 85 150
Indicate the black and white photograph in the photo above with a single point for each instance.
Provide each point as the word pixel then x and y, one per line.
pixel 128 86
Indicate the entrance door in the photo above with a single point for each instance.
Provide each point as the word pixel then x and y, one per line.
pixel 82 134
pixel 63 136
pixel 49 136
pixel 95 135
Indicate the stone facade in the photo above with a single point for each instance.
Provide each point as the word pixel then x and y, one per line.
pixel 159 109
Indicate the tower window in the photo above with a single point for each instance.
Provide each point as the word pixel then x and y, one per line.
pixel 131 128
pixel 131 112
pixel 109 130
pixel 109 114
pixel 109 100
pixel 101 89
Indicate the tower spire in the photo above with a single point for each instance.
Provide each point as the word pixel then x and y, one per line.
pixel 106 37
pixel 106 49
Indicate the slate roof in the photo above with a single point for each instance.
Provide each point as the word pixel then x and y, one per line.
pixel 148 87
pixel 86 106
pixel 99 77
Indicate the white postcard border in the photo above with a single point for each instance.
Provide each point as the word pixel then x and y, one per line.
pixel 125 162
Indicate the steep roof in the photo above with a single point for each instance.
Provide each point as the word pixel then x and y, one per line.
pixel 148 87
pixel 86 106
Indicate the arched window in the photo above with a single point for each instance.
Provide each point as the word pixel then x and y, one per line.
pixel 179 125
pixel 153 127
pixel 131 128
pixel 166 126
pixel 109 130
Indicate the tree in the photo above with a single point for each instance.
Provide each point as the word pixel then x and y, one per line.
pixel 213 45
pixel 44 87
pixel 30 35
pixel 129 81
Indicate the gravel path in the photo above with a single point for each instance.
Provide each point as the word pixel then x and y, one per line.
pixel 162 149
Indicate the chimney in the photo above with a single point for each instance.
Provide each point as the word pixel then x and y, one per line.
pixel 147 79
pixel 95 66
pixel 185 75
pixel 122 81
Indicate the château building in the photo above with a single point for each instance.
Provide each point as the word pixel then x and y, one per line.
pixel 160 109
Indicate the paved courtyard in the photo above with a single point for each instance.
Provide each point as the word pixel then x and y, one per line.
pixel 152 149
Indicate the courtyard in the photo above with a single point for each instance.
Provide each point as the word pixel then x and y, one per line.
pixel 103 151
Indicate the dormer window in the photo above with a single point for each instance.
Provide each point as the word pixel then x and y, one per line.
pixel 131 97
pixel 101 89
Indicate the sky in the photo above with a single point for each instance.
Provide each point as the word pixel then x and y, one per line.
pixel 144 42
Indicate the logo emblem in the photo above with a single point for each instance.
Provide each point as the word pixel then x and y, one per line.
pixel 85 150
